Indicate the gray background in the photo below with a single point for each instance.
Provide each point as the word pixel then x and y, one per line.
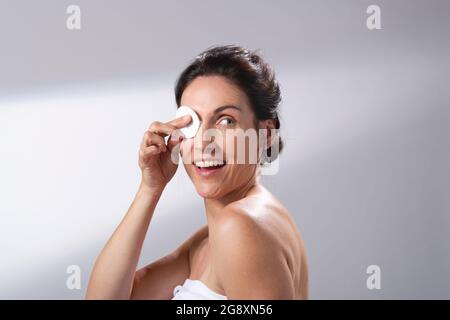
pixel 365 171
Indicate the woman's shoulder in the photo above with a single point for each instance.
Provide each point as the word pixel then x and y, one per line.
pixel 264 214
pixel 259 217
pixel 254 237
pixel 260 210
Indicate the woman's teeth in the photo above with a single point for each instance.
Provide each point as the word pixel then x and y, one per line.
pixel 208 164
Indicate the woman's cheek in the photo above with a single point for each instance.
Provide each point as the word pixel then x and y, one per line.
pixel 185 151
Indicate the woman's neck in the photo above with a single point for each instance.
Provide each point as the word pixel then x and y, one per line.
pixel 215 206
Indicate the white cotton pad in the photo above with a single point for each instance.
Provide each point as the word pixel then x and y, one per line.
pixel 191 129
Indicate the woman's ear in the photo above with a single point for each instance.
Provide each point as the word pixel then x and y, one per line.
pixel 270 126
pixel 267 137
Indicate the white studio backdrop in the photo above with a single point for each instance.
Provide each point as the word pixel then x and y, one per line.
pixel 365 171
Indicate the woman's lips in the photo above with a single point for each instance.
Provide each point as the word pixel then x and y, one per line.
pixel 207 172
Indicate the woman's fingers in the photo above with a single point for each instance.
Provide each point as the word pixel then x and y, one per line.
pixel 175 138
pixel 180 122
pixel 153 141
pixel 166 129
pixel 149 151
pixel 151 138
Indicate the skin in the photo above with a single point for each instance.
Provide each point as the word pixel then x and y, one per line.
pixel 250 247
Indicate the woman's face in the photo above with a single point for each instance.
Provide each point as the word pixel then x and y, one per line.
pixel 224 110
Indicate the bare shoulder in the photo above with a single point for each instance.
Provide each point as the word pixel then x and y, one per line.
pixel 263 215
pixel 257 242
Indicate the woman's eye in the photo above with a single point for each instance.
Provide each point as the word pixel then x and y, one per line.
pixel 226 121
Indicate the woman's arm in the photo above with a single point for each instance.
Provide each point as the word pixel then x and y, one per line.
pixel 158 279
pixel 114 270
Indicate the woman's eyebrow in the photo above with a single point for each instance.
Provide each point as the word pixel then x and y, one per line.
pixel 226 107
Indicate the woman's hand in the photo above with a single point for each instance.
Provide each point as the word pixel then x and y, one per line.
pixel 158 161
pixel 115 268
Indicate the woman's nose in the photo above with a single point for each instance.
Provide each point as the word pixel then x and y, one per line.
pixel 206 135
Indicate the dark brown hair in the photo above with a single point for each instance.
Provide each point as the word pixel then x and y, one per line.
pixel 248 71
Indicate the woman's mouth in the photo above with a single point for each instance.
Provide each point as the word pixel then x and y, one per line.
pixel 208 168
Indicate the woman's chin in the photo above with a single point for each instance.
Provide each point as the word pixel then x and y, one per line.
pixel 208 191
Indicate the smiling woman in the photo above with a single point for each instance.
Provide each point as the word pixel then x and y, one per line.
pixel 250 247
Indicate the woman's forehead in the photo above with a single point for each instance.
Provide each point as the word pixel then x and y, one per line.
pixel 206 93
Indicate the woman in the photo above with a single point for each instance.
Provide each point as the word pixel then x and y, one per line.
pixel 250 247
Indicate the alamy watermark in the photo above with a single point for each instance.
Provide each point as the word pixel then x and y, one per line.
pixel 373 21
pixel 73 21
pixel 374 280
pixel 73 281
pixel 232 146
